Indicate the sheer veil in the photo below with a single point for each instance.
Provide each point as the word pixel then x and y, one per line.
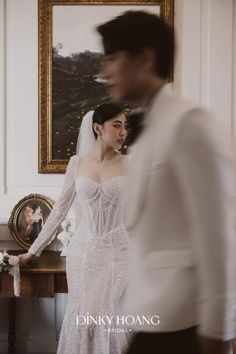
pixel 86 138
pixel 85 142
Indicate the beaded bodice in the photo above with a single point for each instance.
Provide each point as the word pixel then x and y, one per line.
pixel 97 206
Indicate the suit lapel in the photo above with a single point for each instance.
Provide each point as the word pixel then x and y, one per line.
pixel 136 183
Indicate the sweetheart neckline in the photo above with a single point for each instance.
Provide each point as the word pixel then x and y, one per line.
pixel 101 183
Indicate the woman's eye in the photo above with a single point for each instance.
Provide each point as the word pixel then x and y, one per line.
pixel 116 126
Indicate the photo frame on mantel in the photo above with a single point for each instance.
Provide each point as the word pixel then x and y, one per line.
pixel 68 86
pixel 28 217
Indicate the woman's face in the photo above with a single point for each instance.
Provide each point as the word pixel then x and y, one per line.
pixel 28 212
pixel 114 131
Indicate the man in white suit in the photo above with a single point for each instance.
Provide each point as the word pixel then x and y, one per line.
pixel 179 211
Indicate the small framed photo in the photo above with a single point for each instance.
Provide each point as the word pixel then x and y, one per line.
pixel 28 217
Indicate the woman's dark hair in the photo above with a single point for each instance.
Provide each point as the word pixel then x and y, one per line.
pixel 34 207
pixel 105 112
pixel 134 31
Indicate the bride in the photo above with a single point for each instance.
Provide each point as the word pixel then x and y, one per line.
pixel 97 254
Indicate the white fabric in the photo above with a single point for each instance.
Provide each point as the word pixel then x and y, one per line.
pixel 86 138
pixel 179 201
pixel 15 272
pixel 65 235
pixel 96 262
pixel 10 263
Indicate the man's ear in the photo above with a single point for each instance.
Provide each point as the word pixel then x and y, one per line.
pixel 149 59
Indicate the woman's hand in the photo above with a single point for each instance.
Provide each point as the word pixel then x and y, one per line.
pixel 24 258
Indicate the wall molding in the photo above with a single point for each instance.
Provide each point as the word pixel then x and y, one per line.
pixel 3 90
pixel 233 97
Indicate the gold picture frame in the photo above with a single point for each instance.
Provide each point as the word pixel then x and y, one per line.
pixel 54 159
pixel 28 217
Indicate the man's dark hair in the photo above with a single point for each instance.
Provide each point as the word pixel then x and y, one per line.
pixel 135 31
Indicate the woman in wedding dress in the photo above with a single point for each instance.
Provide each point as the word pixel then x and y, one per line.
pixel 96 262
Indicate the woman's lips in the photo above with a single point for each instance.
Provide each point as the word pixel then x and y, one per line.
pixel 120 141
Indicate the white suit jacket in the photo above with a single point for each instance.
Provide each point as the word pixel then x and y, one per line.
pixel 179 214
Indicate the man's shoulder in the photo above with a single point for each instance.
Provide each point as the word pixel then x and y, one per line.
pixel 172 106
pixel 198 127
pixel 181 107
pixel 195 118
pixel 183 120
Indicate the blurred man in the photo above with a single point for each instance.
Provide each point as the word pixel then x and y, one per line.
pixel 179 210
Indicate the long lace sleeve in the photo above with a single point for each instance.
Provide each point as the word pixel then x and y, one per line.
pixel 59 211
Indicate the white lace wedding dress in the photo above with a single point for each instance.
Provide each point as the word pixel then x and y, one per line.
pixel 96 262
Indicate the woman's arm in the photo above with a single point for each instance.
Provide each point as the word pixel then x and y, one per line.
pixel 57 215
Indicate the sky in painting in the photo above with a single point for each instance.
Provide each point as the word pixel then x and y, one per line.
pixel 74 26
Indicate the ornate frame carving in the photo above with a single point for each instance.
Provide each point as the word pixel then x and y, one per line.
pixel 46 164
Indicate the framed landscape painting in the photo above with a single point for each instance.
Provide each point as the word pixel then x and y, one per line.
pixel 70 55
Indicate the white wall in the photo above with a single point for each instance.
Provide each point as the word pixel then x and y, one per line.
pixel 205 63
pixel 205 72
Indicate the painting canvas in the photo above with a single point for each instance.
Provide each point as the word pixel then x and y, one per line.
pixel 30 221
pixel 70 81
pixel 76 83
